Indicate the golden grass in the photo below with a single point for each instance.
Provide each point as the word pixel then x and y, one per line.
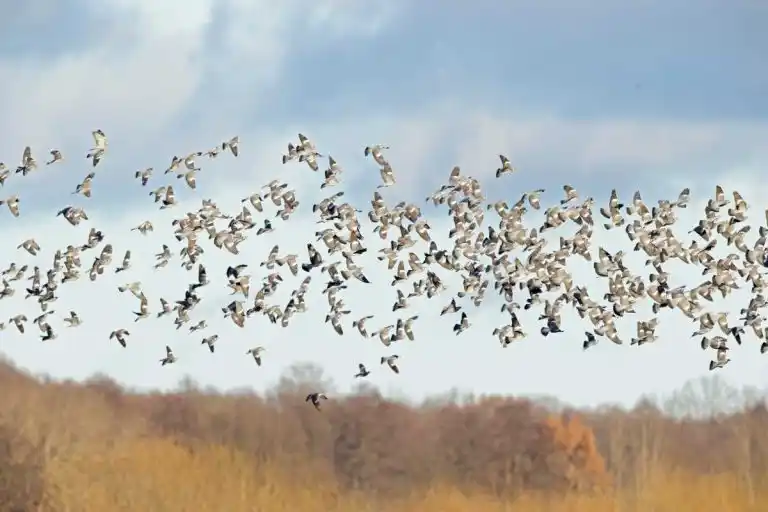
pixel 159 475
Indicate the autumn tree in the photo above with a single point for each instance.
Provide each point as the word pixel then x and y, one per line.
pixel 565 455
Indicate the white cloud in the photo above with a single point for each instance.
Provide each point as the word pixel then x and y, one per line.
pixel 127 83
pixel 160 18
pixel 615 145
pixel 136 80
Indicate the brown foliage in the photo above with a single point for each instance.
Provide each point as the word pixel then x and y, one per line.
pixel 21 471
pixel 94 446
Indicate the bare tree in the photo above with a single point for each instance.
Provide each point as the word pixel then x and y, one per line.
pixel 703 398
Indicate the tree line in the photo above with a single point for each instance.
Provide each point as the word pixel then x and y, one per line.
pixel 96 446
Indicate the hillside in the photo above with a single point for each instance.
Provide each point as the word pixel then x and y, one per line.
pixel 97 447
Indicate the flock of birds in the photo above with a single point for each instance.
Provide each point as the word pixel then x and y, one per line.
pixel 520 263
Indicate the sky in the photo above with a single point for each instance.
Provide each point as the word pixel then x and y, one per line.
pixel 653 96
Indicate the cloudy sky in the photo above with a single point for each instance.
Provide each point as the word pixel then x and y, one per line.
pixel 652 97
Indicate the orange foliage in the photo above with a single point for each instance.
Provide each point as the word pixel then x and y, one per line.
pixel 568 448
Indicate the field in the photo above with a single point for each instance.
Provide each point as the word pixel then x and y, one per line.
pixel 96 447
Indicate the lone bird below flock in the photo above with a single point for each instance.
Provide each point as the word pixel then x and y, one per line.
pixel 314 399
pixel 517 255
